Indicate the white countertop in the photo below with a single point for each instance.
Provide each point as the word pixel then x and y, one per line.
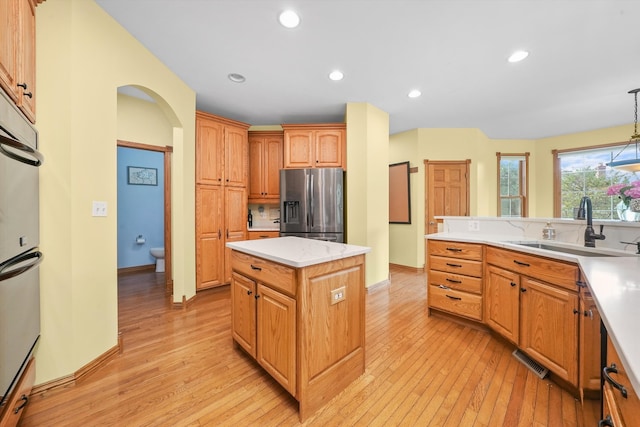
pixel 296 251
pixel 614 283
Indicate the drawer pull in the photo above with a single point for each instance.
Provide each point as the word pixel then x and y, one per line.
pixel 524 264
pixel 606 422
pixel 253 267
pixel 454 265
pixel 454 249
pixel 453 281
pixel 613 369
pixel 444 287
pixel 450 297
pixel 24 400
pixel 581 284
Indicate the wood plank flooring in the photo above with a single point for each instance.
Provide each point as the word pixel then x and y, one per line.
pixel 179 368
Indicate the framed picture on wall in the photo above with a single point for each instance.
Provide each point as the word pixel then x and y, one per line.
pixel 137 175
pixel 399 194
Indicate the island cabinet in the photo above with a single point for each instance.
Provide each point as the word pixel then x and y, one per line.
pixel 254 235
pixel 543 318
pixel 589 353
pixel 454 278
pixel 18 53
pixel 315 145
pixel 265 162
pixel 304 326
pixel 621 406
pixel 222 157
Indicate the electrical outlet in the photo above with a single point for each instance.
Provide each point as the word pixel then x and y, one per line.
pixel 99 208
pixel 338 295
pixel 473 225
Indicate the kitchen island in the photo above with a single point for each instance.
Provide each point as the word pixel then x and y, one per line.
pixel 298 309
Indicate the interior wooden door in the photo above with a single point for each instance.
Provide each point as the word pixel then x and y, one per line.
pixel 446 191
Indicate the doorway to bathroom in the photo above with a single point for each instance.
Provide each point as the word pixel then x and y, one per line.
pixel 144 213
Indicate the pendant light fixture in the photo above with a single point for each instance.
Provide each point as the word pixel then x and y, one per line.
pixel 631 165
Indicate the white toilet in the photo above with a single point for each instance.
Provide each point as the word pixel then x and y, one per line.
pixel 158 254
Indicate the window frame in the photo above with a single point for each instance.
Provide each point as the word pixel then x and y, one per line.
pixel 523 179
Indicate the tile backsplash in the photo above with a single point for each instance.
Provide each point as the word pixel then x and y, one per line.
pixel 265 215
pixel 567 230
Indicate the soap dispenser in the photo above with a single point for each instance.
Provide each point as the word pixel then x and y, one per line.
pixel 548 232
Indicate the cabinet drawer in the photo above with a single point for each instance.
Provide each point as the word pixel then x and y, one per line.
pixel 629 407
pixel 274 275
pixel 456 302
pixel 455 249
pixel 255 235
pixel 16 406
pixel 555 272
pixel 456 266
pixel 456 281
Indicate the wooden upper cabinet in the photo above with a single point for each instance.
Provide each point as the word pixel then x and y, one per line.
pixel 265 162
pixel 314 145
pixel 236 165
pixel 210 152
pixel 17 53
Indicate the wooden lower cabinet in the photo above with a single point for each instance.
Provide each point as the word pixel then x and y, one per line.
pixel 622 409
pixel 589 345
pixel 287 320
pixel 15 406
pixel 502 302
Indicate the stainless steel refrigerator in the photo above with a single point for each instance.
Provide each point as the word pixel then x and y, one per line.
pixel 311 203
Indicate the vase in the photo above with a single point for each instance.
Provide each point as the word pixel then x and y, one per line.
pixel 625 213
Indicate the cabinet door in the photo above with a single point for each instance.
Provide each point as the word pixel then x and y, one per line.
pixel 236 163
pixel 589 345
pixel 9 37
pixel 209 236
pixel 329 146
pixel 277 336
pixel 235 222
pixel 298 149
pixel 243 312
pixel 209 151
pixel 502 306
pixel 272 166
pixel 549 320
pixel 27 66
pixel 256 172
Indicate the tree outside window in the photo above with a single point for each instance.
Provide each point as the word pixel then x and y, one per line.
pixel 512 184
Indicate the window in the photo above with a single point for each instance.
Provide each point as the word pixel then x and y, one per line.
pixel 513 184
pixel 583 172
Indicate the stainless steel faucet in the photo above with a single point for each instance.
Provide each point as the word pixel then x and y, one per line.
pixel 590 236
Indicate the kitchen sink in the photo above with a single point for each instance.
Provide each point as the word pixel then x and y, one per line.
pixel 564 249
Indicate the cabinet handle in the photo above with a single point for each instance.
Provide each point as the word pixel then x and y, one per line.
pixel 219 234
pixel 576 311
pixel 257 296
pixel 25 400
pixel 22 85
pixel 455 298
pixel 524 264
pixel 523 290
pixel 589 314
pixel 454 265
pixel 606 422
pixel 453 281
pixel 613 369
pixel 249 292
pixel 513 284
pixel 253 267
pixel 454 249
pixel 444 287
pixel 227 233
pixel 581 284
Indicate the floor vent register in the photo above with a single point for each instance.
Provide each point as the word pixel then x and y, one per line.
pixel 534 366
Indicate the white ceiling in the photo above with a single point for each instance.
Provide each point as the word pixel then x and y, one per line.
pixel 584 58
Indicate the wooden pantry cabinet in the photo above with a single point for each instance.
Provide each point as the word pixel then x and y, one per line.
pixel 315 145
pixel 533 302
pixel 290 321
pixel 222 158
pixel 18 53
pixel 454 278
pixel 265 162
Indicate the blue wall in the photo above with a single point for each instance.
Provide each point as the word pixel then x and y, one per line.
pixel 140 208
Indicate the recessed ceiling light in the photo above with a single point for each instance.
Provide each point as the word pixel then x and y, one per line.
pixel 289 19
pixel 414 93
pixel 336 75
pixel 518 56
pixel 236 78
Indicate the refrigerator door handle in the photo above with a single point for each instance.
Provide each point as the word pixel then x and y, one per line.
pixel 311 207
pixel 17 260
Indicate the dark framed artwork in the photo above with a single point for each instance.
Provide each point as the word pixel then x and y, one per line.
pixel 137 175
pixel 399 194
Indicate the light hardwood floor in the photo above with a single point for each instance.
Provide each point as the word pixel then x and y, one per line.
pixel 179 368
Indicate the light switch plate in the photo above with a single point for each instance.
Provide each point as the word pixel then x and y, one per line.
pixel 99 208
pixel 473 225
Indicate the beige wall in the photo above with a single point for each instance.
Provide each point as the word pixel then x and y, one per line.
pixel 83 56
pixel 367 205
pixel 143 122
